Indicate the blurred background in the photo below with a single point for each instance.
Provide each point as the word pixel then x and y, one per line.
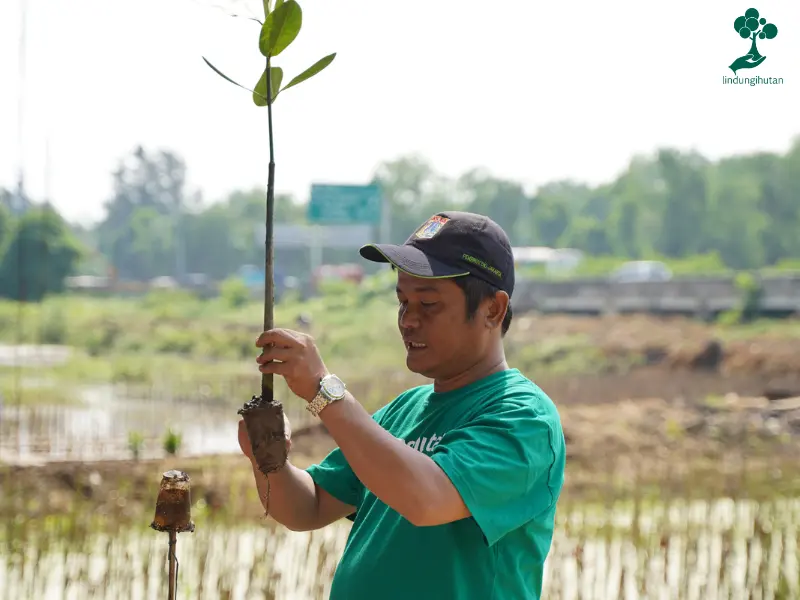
pixel 654 211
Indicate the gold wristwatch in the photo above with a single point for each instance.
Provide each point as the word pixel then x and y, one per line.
pixel 331 389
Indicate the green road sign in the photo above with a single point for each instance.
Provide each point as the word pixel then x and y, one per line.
pixel 344 204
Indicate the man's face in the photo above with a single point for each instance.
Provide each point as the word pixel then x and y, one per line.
pixel 440 342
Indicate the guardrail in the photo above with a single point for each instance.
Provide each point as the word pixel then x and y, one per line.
pixel 697 296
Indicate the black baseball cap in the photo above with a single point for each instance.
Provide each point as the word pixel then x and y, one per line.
pixel 452 244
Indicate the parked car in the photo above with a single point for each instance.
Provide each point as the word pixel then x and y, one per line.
pixel 641 270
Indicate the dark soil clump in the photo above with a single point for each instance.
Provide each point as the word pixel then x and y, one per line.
pixel 267 433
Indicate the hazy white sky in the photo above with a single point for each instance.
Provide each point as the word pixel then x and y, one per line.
pixel 532 91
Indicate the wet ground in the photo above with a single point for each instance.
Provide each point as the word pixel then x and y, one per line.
pixel 99 427
pixel 678 371
pixel 25 355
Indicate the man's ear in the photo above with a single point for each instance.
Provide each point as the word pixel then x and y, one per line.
pixel 496 310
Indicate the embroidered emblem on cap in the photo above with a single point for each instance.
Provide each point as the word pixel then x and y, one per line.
pixel 431 227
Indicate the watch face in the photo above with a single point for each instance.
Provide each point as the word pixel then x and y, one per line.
pixel 333 386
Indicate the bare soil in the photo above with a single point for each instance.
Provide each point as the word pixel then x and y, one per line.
pixel 128 490
pixel 673 358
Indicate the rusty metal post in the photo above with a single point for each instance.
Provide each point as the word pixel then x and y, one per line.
pixel 173 566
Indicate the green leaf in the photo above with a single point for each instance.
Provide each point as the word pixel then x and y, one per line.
pixel 260 92
pixel 280 28
pixel 221 74
pixel 311 71
pixel 275 81
pixel 278 4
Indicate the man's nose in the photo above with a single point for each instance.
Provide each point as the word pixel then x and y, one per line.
pixel 409 319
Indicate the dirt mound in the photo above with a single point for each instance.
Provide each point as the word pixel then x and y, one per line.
pixel 642 425
pixel 675 342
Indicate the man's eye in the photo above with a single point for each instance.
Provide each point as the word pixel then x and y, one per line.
pixel 428 304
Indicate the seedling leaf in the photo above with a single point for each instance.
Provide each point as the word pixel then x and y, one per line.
pixel 221 74
pixel 260 92
pixel 311 71
pixel 280 28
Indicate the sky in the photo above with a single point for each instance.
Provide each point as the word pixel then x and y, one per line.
pixel 530 91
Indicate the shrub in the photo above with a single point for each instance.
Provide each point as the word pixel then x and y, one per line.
pixel 172 441
pixel 234 292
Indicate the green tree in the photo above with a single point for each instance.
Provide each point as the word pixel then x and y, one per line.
pixel 6 225
pixel 684 211
pixel 414 191
pixel 588 234
pixel 634 221
pixel 505 200
pixel 138 233
pixel 555 208
pixel 624 234
pixel 780 201
pixel 220 237
pixel 670 203
pixel 548 220
pixel 211 242
pixel 739 226
pixel 42 252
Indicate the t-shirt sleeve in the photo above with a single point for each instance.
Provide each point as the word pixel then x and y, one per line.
pixel 504 465
pixel 335 476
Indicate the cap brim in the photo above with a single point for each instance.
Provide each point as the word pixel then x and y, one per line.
pixel 410 260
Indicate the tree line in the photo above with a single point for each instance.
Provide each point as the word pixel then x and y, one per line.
pixel 743 209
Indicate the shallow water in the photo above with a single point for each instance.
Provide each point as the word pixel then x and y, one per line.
pixel 98 428
pixel 29 355
pixel 697 551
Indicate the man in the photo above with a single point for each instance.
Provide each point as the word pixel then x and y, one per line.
pixel 452 487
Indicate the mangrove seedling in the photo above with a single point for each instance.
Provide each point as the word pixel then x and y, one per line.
pixel 283 20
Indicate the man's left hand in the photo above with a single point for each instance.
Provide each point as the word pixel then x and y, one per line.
pixel 295 357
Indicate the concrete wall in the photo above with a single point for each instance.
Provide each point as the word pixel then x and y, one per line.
pixel 702 296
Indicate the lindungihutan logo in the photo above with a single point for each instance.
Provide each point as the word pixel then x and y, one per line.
pixel 753 27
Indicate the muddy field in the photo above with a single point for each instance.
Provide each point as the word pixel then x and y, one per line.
pixel 126 490
pixel 676 386
pixel 684 394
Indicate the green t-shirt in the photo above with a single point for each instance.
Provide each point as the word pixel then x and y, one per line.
pixel 500 442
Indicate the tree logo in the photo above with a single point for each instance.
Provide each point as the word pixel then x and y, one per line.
pixel 753 27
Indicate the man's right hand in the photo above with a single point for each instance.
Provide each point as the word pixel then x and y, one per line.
pixel 244 439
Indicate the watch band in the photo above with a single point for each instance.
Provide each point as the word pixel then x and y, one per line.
pixel 317 404
pixel 321 400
